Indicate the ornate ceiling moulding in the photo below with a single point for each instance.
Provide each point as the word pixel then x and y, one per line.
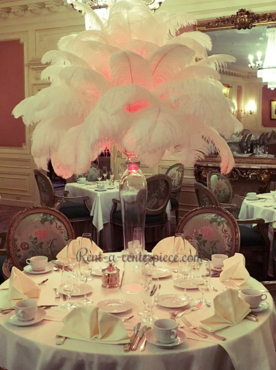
pixel 4 13
pixel 36 8
pixel 19 10
pixel 53 6
pixel 243 19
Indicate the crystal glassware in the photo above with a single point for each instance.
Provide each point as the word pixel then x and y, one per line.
pixel 68 287
pixel 105 172
pixel 185 269
pixel 150 285
pixel 203 279
pixel 85 273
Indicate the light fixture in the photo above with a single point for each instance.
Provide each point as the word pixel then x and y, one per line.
pixel 268 71
pixel 249 110
pixel 255 65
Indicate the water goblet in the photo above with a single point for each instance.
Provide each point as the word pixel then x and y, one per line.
pixel 86 243
pixel 100 175
pixel 111 177
pixel 203 279
pixel 105 172
pixel 85 273
pixel 149 294
pixel 185 270
pixel 68 287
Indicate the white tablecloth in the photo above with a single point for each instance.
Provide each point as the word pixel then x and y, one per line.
pixel 249 345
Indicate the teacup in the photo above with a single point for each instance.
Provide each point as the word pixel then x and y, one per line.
pixel 38 263
pixel 165 330
pixel 217 260
pixel 82 180
pixel 253 297
pixel 251 195
pixel 26 309
pixel 100 186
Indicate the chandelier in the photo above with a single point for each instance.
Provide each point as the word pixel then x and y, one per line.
pixel 267 69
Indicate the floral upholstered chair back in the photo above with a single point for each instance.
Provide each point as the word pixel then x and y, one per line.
pixel 45 188
pixel 211 230
pixel 176 173
pixel 205 197
pixel 159 193
pixel 36 231
pixel 220 186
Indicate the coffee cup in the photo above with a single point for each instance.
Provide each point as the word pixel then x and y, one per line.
pixel 82 180
pixel 26 309
pixel 253 297
pixel 100 186
pixel 38 263
pixel 251 195
pixel 165 330
pixel 217 260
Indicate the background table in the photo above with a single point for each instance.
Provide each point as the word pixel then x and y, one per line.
pixel 250 344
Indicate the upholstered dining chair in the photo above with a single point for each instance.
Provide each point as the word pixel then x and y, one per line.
pixel 220 186
pixel 74 208
pixel 158 195
pixel 211 230
pixel 176 173
pixel 35 231
pixel 206 197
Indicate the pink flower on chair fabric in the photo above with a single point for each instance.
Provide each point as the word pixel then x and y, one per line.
pixel 40 234
pixel 219 185
pixel 206 232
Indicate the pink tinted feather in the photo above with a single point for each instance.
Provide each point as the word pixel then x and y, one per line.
pixel 143 48
pixel 200 51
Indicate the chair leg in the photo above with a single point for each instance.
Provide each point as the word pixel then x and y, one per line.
pixel 176 216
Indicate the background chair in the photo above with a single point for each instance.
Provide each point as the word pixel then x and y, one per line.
pixel 74 208
pixel 176 173
pixel 220 186
pixel 36 231
pixel 158 195
pixel 211 230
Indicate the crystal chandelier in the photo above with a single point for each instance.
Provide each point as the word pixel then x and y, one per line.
pixel 268 71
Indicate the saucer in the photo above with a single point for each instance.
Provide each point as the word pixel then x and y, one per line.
pixel 181 337
pixel 172 301
pixel 38 317
pixel 179 283
pixel 29 269
pixel 82 290
pixel 115 305
pixel 162 272
pixel 262 306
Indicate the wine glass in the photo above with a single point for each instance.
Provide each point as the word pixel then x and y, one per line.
pixel 111 175
pixel 203 278
pixel 68 287
pixel 150 287
pixel 185 270
pixel 85 273
pixel 104 172
pixel 178 251
pixel 100 175
pixel 87 245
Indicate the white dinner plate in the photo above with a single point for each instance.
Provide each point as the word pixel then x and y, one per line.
pixel 82 289
pixel 262 306
pixel 29 269
pixel 181 337
pixel 172 301
pixel 179 283
pixel 162 272
pixel 38 317
pixel 114 305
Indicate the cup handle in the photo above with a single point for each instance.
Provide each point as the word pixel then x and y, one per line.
pixel 264 296
pixel 28 261
pixel 20 314
pixel 174 334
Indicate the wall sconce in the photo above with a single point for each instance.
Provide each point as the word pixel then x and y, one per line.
pixel 250 108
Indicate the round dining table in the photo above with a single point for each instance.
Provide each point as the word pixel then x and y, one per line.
pixel 249 345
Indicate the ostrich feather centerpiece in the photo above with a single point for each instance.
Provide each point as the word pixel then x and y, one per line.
pixel 130 82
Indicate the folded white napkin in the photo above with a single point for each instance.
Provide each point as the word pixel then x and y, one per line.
pixel 77 245
pixel 228 310
pixel 90 323
pixel 20 287
pixel 234 269
pixel 166 248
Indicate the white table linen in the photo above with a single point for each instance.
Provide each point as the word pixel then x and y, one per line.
pixel 249 345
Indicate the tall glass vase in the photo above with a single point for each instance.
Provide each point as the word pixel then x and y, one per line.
pixel 133 197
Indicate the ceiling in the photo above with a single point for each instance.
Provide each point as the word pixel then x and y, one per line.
pixel 240 43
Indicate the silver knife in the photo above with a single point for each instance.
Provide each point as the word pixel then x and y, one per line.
pixel 192 328
pixel 219 337
pixel 138 337
pixel 128 346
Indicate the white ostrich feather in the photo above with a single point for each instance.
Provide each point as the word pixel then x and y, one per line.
pixel 152 131
pixel 143 48
pixel 129 22
pixel 217 61
pixel 127 97
pixel 130 68
pixel 167 61
pixel 198 72
pixel 24 109
pixel 96 35
pixel 65 42
pixel 175 22
pixel 200 51
pixel 51 73
pixel 74 150
pixel 42 162
pixel 204 39
pixel 59 167
pixel 91 16
pixel 63 58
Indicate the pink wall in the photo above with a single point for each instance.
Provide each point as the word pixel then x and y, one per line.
pixel 12 131
pixel 267 96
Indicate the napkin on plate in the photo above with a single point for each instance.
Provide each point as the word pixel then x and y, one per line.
pixel 234 269
pixel 90 323
pixel 166 248
pixel 228 310
pixel 76 245
pixel 20 287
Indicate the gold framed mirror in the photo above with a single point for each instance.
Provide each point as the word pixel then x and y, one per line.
pixel 240 35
